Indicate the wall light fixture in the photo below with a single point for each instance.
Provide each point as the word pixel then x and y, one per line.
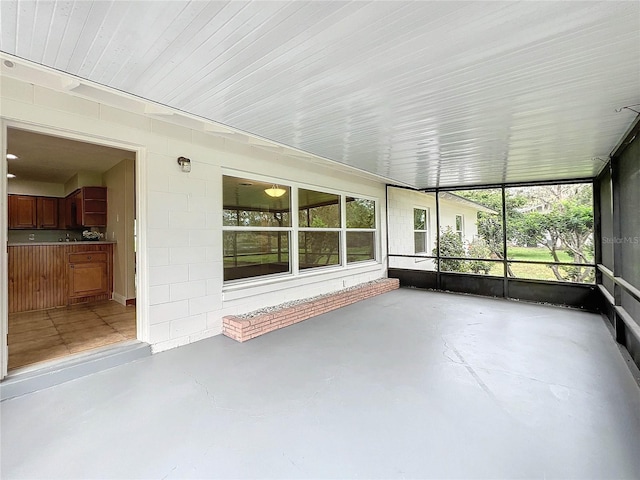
pixel 185 164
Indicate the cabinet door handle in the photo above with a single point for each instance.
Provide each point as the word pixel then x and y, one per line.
pixel 89 257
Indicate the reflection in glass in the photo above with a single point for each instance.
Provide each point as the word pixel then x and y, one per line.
pixel 318 209
pixel 361 213
pixel 318 249
pixel 360 246
pixel 246 204
pixel 252 254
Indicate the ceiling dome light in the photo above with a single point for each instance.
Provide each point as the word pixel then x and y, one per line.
pixel 11 156
pixel 275 191
pixel 10 175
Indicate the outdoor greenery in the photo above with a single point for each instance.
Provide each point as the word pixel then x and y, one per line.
pixel 551 223
pixel 450 246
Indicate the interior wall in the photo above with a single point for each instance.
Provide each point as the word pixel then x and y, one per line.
pixel 119 181
pixel 82 179
pixel 43 189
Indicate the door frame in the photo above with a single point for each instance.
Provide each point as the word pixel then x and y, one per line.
pixel 141 194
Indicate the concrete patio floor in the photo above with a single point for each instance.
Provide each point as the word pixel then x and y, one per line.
pixel 410 384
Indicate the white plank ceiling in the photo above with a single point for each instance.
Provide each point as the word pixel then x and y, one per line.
pixel 425 93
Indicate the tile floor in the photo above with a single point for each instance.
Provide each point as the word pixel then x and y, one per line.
pixel 49 334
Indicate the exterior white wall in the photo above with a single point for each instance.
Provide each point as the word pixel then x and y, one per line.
pixel 401 203
pixel 181 246
pixel 448 212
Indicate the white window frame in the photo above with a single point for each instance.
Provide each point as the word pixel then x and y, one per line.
pixel 425 231
pixel 341 240
pixel 294 229
pixel 240 228
pixel 461 231
pixel 353 229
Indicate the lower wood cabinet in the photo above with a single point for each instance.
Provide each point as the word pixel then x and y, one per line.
pixel 88 274
pixel 59 274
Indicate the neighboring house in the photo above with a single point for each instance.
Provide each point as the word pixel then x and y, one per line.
pixel 412 224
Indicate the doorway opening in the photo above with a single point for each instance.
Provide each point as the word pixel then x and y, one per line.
pixel 71 247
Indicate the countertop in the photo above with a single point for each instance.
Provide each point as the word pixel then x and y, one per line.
pixel 39 244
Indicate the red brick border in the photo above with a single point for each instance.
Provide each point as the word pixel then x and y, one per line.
pixel 243 329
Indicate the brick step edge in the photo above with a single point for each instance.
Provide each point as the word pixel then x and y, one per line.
pixel 243 329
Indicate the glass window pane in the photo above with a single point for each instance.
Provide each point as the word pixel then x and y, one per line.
pixel 458 223
pixel 252 254
pixel 420 241
pixel 360 246
pixel 361 213
pixel 419 219
pixel 247 204
pixel 318 249
pixel 318 209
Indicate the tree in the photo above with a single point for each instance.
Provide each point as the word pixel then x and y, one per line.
pixel 479 249
pixel 450 246
pixel 563 224
pixel 490 224
pixel 567 227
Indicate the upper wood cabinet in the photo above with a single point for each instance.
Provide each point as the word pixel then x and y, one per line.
pixel 22 211
pixel 47 212
pixel 29 212
pixel 88 207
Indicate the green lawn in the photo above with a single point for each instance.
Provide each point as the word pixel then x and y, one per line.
pixel 536 254
pixel 531 270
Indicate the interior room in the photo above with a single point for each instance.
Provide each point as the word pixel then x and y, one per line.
pixel 304 239
pixel 71 261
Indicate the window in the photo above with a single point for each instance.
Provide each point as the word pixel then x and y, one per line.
pixel 460 226
pixel 319 229
pixel 261 237
pixel 361 229
pixel 420 233
pixel 256 229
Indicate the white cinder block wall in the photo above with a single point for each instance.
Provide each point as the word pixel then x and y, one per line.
pixel 401 203
pixel 180 263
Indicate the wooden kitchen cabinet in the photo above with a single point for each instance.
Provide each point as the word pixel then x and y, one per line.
pixel 47 212
pixel 88 274
pixel 29 212
pixel 40 276
pixel 87 207
pixel 22 211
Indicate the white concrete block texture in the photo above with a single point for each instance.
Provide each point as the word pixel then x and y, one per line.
pixel 180 214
